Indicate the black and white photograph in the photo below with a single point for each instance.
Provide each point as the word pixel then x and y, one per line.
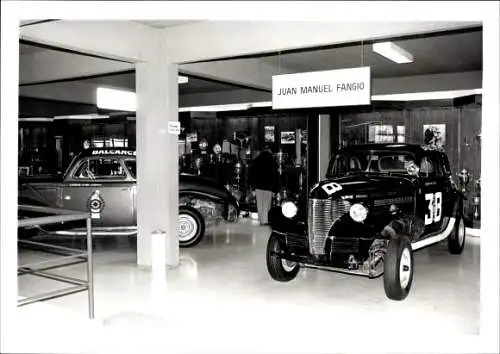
pixel 287 138
pixel 192 137
pixel 303 134
pixel 249 177
pixel 269 134
pixel 435 135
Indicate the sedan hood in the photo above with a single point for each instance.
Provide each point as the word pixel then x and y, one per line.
pixel 362 185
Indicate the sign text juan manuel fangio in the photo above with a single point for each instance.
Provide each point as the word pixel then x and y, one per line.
pixel 327 88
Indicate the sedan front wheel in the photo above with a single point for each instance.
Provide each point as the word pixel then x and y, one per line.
pixel 191 227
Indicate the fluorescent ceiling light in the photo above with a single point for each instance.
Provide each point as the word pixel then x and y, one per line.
pixel 420 96
pixel 82 116
pixel 36 119
pixel 262 104
pixel 226 107
pixel 122 100
pixel 116 99
pixel 393 52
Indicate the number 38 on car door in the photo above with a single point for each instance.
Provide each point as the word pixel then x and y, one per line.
pixel 434 207
pixel 434 192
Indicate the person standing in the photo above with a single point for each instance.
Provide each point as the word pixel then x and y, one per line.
pixel 264 178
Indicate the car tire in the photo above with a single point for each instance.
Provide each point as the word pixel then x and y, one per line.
pixel 278 268
pixel 190 228
pixel 456 240
pixel 398 268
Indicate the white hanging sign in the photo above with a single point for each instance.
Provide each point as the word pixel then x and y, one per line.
pixel 346 87
pixel 174 128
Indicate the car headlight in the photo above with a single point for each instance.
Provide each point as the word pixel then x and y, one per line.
pixel 289 209
pixel 358 212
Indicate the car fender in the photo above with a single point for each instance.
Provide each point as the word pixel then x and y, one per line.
pixel 404 224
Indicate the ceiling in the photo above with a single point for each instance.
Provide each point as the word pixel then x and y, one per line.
pixel 25 49
pixel 438 54
pixel 166 23
pixel 456 52
pixel 127 81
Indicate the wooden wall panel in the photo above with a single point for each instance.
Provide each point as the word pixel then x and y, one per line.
pixel 354 127
pixel 462 142
pixel 417 118
pixel 470 143
pixel 215 130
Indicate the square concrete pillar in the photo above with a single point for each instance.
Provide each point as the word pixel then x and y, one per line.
pixel 324 144
pixel 157 163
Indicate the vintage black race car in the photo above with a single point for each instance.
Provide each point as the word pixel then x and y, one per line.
pixel 378 204
pixel 103 181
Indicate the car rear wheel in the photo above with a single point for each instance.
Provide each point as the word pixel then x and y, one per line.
pixel 191 227
pixel 279 269
pixel 398 268
pixel 456 241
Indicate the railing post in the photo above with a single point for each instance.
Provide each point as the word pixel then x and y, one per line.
pixel 90 268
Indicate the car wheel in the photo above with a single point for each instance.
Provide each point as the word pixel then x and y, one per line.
pixel 456 241
pixel 279 269
pixel 398 268
pixel 191 227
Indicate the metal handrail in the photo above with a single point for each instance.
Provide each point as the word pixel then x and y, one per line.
pixel 70 256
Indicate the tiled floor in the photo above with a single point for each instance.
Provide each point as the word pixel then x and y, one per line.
pixel 222 286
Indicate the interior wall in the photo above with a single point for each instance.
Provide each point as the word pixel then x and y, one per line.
pixel 36 107
pixel 459 122
pixel 462 141
pixel 215 130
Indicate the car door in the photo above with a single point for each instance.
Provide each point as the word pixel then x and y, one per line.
pixel 432 193
pixel 102 186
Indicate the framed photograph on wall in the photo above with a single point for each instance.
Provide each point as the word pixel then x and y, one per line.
pixel 434 135
pixel 287 137
pixel 192 137
pixel 380 134
pixel 269 134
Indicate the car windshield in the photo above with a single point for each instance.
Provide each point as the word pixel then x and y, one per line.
pixel 370 161
pixel 100 168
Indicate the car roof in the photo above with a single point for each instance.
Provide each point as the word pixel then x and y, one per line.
pixel 127 152
pixel 413 148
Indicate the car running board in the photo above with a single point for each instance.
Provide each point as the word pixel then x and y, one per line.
pixel 436 238
pixel 360 272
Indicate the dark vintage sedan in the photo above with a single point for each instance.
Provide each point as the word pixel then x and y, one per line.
pixel 103 182
pixel 378 204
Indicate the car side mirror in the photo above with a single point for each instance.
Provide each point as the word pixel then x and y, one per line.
pixel 464 177
pixel 412 169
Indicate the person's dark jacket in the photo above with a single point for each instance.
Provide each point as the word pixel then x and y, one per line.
pixel 263 173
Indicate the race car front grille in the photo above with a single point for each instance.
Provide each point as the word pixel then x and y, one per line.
pixel 321 216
